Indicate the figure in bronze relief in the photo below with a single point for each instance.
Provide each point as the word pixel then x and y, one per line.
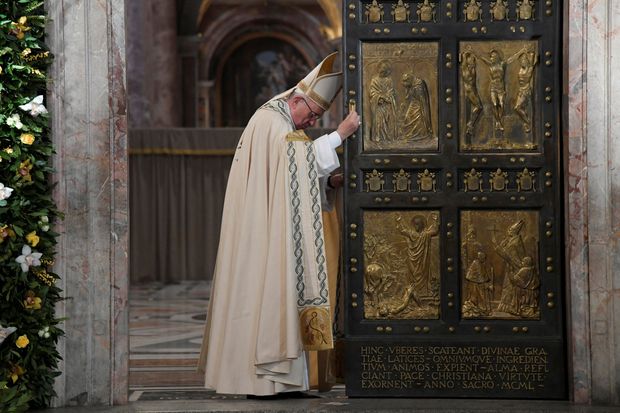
pixel 418 236
pixel 470 89
pixel 527 60
pixel 387 291
pixel 527 283
pixel 383 105
pixel 416 115
pixel 470 248
pixel 512 250
pixel 401 274
pixel 497 71
pixel 373 281
pixel 478 287
pixel 520 286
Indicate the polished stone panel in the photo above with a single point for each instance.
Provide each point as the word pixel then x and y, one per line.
pixel 87 103
pixel 592 208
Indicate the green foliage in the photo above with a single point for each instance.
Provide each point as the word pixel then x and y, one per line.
pixel 14 399
pixel 27 214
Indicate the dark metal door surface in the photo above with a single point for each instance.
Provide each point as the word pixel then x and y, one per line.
pixel 453 228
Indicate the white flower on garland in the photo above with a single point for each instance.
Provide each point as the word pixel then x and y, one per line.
pixel 44 332
pixel 14 121
pixel 44 223
pixel 5 192
pixel 35 106
pixel 28 258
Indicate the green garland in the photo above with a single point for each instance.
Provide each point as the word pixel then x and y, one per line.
pixel 28 355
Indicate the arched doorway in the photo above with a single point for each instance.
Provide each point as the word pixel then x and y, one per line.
pixel 272 63
pixel 242 58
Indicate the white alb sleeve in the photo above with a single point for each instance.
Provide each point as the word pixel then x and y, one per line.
pixel 325 150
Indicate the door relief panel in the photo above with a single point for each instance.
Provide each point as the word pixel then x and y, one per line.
pixel 400 102
pixel 500 274
pixel 401 260
pixel 498 95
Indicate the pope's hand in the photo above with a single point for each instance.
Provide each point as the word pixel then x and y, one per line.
pixel 348 125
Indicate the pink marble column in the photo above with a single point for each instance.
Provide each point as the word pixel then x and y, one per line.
pixel 593 199
pixel 87 102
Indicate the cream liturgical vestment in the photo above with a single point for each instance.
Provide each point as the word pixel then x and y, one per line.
pixel 269 301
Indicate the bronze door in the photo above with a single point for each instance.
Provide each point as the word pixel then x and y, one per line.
pixel 453 228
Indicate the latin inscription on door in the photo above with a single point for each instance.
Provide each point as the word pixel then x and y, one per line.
pixel 517 369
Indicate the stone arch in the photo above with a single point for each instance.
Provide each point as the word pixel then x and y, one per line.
pixel 230 51
pixel 223 35
pixel 232 23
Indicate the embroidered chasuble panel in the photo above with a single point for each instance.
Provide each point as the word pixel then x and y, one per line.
pixel 453 266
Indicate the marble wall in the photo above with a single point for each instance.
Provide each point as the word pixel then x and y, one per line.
pixel 592 188
pixel 87 102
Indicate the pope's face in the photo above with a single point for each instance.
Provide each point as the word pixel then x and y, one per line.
pixel 304 112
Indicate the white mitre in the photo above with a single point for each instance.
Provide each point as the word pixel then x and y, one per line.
pixel 322 84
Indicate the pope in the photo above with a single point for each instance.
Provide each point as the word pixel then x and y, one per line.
pixel 269 301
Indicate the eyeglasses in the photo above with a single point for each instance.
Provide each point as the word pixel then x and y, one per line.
pixel 313 114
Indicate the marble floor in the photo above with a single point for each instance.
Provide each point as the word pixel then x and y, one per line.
pixel 166 327
pixel 166 323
